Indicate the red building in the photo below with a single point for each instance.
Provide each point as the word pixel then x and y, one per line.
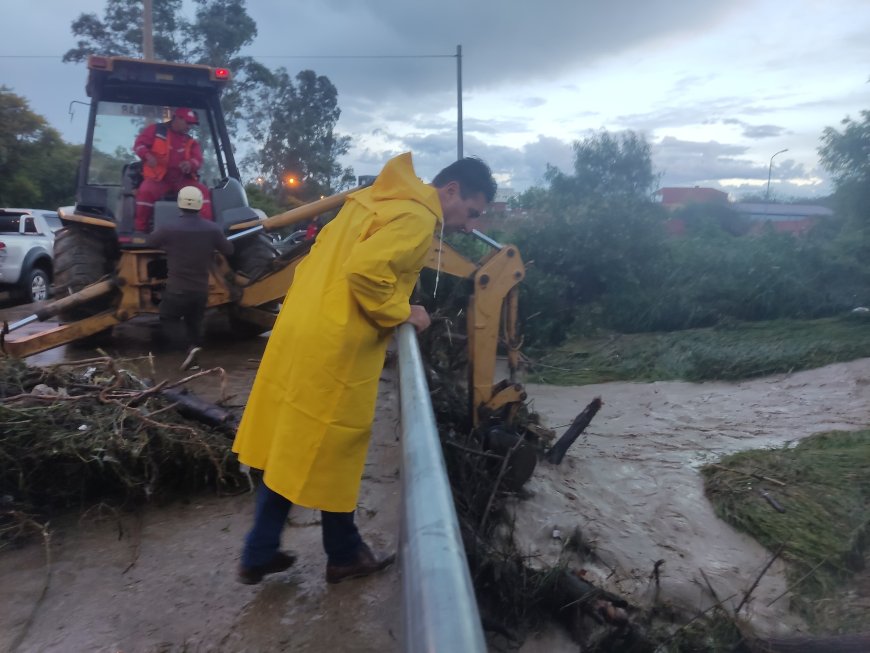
pixel 674 198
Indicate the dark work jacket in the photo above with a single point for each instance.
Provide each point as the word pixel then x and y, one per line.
pixel 190 242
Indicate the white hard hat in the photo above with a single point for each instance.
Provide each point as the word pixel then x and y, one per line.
pixel 190 198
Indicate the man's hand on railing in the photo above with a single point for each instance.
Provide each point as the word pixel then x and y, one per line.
pixel 419 318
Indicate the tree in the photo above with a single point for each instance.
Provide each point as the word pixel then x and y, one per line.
pixel 37 168
pixel 298 136
pixel 219 30
pixel 595 233
pixel 846 155
pixel 607 166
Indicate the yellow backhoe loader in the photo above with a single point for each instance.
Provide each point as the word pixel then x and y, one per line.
pixel 104 277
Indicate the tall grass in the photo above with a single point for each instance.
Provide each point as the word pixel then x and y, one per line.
pixel 823 515
pixel 731 351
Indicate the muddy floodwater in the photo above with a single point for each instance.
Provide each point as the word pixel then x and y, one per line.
pixel 164 579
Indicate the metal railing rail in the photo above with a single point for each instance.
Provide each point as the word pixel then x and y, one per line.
pixel 441 614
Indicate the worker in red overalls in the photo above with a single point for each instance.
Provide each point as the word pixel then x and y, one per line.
pixel 171 159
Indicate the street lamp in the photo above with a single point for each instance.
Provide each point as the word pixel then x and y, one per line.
pixel 769 170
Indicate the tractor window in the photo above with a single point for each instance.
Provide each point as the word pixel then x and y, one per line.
pixel 209 172
pixel 115 130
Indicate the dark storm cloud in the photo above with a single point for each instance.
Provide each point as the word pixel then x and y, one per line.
pixel 684 163
pixel 708 112
pixel 755 131
pixel 521 167
pixel 501 41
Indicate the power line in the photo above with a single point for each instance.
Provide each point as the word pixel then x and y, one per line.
pixel 279 56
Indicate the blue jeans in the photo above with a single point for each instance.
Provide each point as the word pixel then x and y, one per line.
pixel 341 539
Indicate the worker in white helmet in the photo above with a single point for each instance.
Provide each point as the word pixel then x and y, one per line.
pixel 190 242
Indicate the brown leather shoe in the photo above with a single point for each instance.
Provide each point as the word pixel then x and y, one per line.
pixel 365 564
pixel 253 575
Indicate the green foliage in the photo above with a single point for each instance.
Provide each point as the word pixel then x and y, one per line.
pixel 826 503
pixel 295 121
pixel 600 258
pixel 845 155
pixel 37 168
pixel 702 280
pixel 297 135
pixel 607 166
pixel 216 35
pixel 595 234
pixel 267 202
pixel 712 220
pixel 731 351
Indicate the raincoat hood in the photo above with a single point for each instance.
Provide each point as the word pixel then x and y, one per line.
pixel 398 181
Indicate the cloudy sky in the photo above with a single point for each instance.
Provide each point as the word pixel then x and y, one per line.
pixel 716 87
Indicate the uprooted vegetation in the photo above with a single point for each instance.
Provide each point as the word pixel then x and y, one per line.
pixel 82 433
pixel 811 503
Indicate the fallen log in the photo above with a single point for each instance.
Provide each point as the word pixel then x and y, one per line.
pixel 558 450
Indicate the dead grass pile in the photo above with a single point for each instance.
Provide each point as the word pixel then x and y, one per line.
pixel 76 434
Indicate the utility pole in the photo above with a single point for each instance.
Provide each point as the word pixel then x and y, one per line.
pixel 459 101
pixel 147 32
pixel 769 170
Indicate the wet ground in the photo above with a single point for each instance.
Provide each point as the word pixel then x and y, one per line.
pixel 163 580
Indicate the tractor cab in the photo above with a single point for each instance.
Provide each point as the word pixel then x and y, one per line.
pixel 127 95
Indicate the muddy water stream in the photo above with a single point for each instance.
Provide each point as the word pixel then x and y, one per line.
pixel 631 483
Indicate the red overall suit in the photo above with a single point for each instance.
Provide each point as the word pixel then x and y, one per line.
pixel 170 148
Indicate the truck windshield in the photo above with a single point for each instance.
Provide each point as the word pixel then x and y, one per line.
pixel 116 128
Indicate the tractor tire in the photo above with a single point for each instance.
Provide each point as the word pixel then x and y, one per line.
pixel 82 256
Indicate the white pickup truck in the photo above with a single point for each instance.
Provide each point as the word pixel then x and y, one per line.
pixel 26 245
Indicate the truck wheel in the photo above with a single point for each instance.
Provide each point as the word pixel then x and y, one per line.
pixel 81 257
pixel 36 285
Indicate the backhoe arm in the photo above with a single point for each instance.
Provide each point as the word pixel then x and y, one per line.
pixel 492 308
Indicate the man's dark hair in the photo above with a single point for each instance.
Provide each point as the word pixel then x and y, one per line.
pixel 473 176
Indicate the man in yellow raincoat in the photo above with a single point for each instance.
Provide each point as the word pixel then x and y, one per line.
pixel 308 420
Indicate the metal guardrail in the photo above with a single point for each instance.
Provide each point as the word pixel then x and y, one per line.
pixel 441 613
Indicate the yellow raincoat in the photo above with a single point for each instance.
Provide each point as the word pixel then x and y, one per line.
pixel 308 420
